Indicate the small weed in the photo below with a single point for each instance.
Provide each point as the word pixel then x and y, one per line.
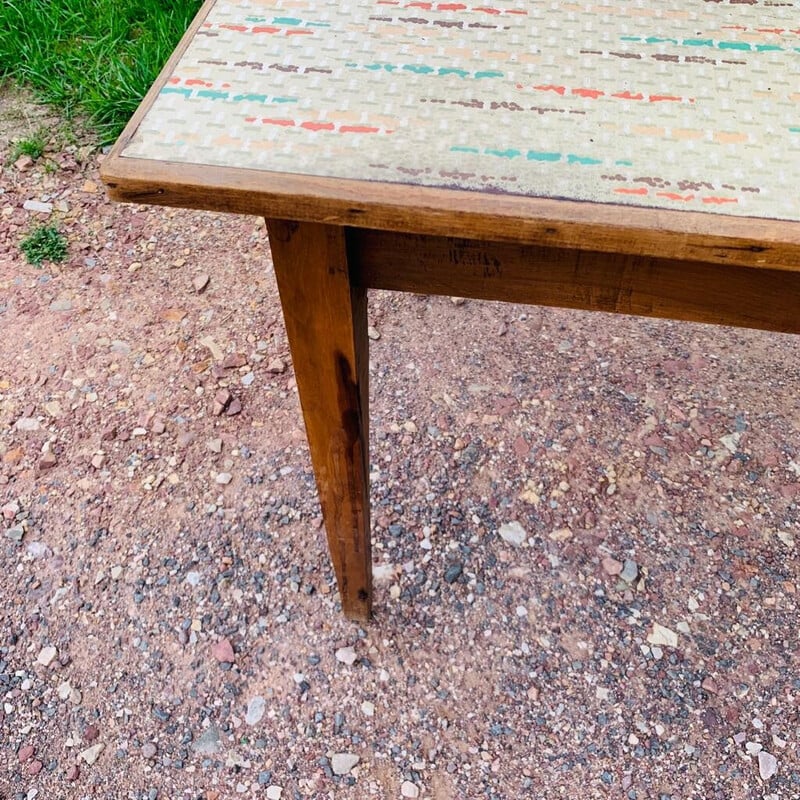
pixel 44 243
pixel 32 146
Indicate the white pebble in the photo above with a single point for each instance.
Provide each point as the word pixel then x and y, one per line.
pixel 255 710
pixel 46 656
pixel 662 636
pixel 513 533
pixel 346 655
pixel 409 789
pixel 767 765
pixel 342 763
pixel 91 754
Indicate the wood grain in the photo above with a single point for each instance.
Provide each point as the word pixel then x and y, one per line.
pixel 326 321
pixel 652 287
pixel 684 235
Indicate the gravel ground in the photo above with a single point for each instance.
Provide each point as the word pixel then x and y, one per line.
pixel 584 532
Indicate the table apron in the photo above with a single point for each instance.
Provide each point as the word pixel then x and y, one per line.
pixel 694 291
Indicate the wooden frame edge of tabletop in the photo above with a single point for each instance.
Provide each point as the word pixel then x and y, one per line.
pixel 405 208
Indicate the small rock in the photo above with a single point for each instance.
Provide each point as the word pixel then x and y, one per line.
pixel 753 748
pixel 255 710
pixel 64 690
pixel 23 163
pixel 25 753
pixel 612 566
pixel 458 301
pixel 346 655
pixel 193 578
pixel 149 750
pixel 382 573
pixel 234 408
pixel 91 733
pixel 247 380
pixel 37 205
pixel 373 333
pixel 215 349
pixel 342 763
pixel 46 656
pixel 453 572
pixel 47 461
pixel 214 445
pixel 73 773
pixel 234 361
pixel 274 792
pixel 630 571
pixel 38 550
pixel 34 768
pixel 223 651
pixel 277 366
pixel 409 789
pixel 222 400
pixel 208 743
pixel 27 424
pixel 710 685
pixel 368 709
pixel 91 754
pixel 767 765
pixel 513 533
pixel 108 434
pixel 200 282
pixel 16 533
pixel 663 637
pixel 223 478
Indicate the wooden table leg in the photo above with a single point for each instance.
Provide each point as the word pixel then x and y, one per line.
pixel 326 320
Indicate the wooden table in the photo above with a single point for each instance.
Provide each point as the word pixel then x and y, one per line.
pixel 641 158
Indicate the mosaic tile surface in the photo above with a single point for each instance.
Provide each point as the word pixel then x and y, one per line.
pixel 689 104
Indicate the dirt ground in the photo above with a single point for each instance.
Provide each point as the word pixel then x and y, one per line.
pixel 585 534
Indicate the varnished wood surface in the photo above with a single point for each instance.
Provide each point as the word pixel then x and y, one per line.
pixel 624 284
pixel 608 228
pixel 326 321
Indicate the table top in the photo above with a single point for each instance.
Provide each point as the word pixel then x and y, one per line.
pixel 691 105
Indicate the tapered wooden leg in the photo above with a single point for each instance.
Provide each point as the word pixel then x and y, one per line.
pixel 326 320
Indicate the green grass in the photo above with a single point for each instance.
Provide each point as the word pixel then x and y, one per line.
pixel 44 243
pixel 90 58
pixel 33 146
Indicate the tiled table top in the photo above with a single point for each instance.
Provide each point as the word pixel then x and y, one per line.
pixel 688 104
